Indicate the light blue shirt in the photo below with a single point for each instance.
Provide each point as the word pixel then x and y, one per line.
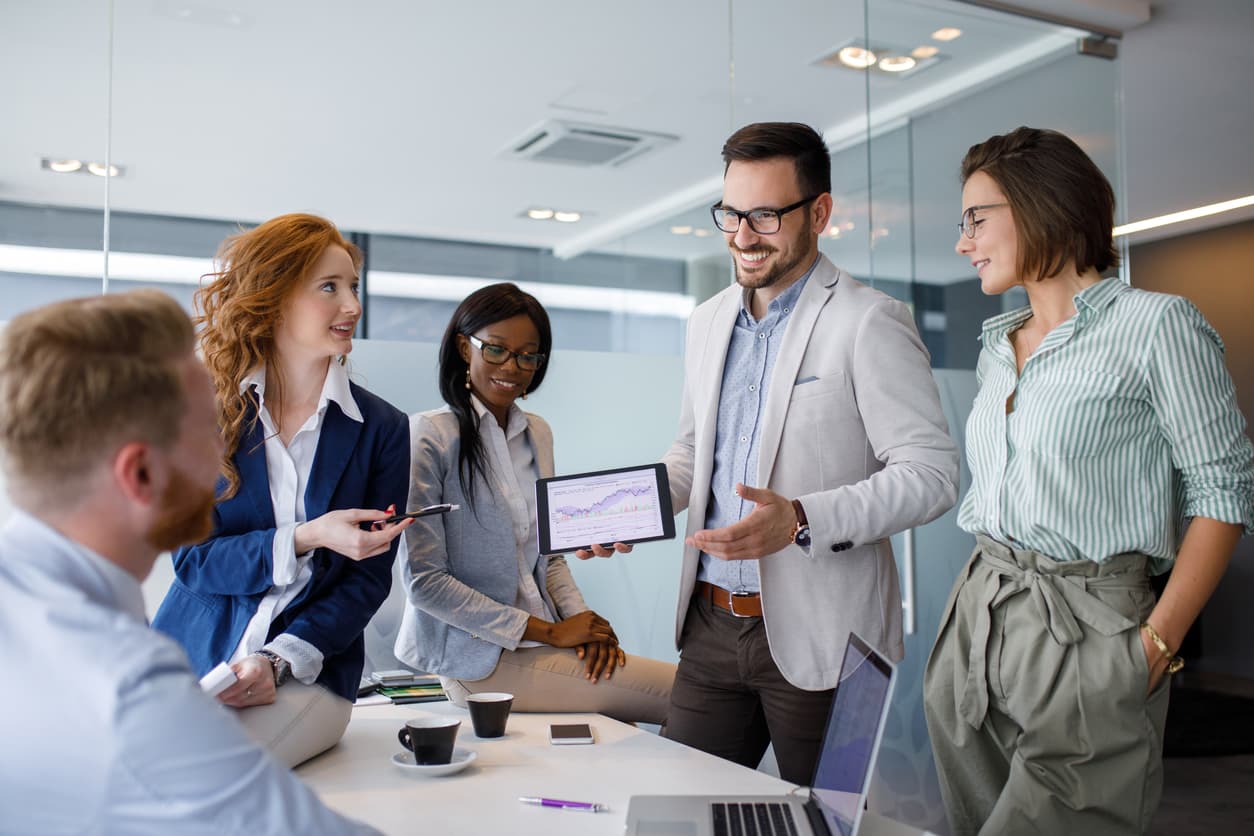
pixel 103 727
pixel 751 357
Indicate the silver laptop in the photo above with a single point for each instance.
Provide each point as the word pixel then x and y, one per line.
pixel 838 793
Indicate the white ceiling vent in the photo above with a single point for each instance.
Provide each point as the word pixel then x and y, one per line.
pixel 572 143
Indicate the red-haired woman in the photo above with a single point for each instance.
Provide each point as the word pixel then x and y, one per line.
pixel 298 561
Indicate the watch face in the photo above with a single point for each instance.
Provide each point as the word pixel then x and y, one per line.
pixel 802 537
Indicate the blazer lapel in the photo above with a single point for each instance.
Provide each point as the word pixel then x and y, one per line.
pixel 254 477
pixel 814 296
pixel 336 445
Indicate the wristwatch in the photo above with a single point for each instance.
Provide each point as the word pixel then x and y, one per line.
pixel 801 535
pixel 282 667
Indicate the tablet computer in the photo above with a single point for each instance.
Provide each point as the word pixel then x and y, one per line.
pixel 623 505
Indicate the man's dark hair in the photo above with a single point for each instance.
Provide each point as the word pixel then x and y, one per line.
pixel 1062 204
pixel 788 140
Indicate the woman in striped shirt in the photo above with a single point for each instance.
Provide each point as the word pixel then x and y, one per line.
pixel 1105 445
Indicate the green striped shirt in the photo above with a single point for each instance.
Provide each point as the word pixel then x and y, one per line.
pixel 1125 426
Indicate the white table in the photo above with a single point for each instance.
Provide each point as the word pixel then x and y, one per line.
pixel 357 777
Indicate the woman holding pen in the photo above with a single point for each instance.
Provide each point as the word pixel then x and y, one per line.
pixel 300 558
pixel 485 610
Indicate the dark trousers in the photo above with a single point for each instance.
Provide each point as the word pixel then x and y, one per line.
pixel 729 698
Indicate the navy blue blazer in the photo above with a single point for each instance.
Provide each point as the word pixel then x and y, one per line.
pixel 219 583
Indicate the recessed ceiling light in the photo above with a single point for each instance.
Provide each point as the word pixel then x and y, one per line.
pixel 63 166
pixel 896 63
pixel 847 226
pixel 834 232
pixel 99 170
pixel 681 230
pixel 566 217
pixel 539 214
pixel 924 51
pixel 702 233
pixel 857 57
pixel 947 33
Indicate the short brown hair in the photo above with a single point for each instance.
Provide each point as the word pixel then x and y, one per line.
pixel 789 140
pixel 1062 204
pixel 81 377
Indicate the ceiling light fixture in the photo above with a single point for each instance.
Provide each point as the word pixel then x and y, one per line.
pixel 540 214
pixel 947 33
pixel 834 232
pixel 64 166
pixel 897 63
pixel 681 230
pixel 926 51
pixel 1186 215
pixel 566 217
pixel 702 233
pixel 100 170
pixel 857 57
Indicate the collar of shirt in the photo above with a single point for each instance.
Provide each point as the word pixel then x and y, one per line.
pixel 98 576
pixel 334 388
pixel 1088 303
pixel 783 303
pixel 515 422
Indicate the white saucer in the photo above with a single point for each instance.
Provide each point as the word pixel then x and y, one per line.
pixel 462 758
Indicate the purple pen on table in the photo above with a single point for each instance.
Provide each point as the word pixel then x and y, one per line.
pixel 582 806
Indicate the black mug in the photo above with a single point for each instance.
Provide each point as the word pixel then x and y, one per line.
pixel 431 739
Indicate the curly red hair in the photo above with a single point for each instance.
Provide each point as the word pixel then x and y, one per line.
pixel 238 309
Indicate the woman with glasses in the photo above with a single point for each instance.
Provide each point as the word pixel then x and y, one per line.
pixel 299 559
pixel 485 610
pixel 1105 445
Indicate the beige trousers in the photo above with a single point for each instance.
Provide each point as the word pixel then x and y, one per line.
pixel 552 679
pixel 303 721
pixel 1035 696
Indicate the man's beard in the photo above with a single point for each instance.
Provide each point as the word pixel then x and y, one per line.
pixel 186 513
pixel 779 271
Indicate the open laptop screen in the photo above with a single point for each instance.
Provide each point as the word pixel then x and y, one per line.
pixel 853 729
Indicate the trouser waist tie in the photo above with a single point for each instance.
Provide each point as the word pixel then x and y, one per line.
pixel 1059 591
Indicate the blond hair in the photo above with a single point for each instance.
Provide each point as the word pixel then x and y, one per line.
pixel 239 307
pixel 81 377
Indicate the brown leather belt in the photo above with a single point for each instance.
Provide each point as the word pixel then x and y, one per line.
pixel 744 605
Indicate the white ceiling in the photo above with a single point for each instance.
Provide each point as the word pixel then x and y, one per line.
pixel 390 116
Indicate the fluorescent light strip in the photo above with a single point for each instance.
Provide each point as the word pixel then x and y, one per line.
pixel 1186 215
pixel 147 267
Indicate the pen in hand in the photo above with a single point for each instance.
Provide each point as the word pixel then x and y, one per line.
pixel 582 806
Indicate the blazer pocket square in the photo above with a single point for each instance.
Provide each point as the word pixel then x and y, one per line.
pixel 804 380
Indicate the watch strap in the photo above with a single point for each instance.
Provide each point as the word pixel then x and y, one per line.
pixel 281 667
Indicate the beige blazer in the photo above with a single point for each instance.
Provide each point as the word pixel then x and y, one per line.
pixel 852 427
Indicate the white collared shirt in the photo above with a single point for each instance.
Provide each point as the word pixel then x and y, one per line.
pixel 288 468
pixel 104 727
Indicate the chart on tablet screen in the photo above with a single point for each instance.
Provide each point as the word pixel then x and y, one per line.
pixel 604 509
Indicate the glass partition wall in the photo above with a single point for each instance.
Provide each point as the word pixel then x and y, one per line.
pixel 569 147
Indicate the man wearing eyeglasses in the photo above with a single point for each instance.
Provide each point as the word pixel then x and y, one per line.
pixel 811 430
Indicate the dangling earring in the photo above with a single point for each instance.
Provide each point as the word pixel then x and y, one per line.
pixel 467 378
pixel 524 395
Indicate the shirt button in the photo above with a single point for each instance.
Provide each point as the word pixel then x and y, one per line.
pixel 752 387
pixel 744 438
pixel 785 310
pixel 762 336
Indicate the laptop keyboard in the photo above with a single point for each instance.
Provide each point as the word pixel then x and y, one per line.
pixel 761 819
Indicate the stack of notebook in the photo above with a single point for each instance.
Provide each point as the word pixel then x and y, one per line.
pixel 401 686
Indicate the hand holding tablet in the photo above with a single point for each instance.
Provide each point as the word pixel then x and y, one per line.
pixel 590 512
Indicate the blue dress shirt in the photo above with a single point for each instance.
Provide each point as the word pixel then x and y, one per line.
pixel 751 357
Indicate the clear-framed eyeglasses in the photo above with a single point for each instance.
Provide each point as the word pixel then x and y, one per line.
pixel 969 223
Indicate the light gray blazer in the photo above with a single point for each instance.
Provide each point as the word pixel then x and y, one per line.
pixel 852 427
pixel 461 572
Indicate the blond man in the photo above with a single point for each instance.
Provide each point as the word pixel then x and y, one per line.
pixel 111 450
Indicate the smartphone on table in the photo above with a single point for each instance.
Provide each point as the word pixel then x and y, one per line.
pixel 568 733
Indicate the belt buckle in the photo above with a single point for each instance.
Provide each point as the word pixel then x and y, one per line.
pixel 731 602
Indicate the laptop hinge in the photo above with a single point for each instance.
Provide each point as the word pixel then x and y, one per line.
pixel 817 823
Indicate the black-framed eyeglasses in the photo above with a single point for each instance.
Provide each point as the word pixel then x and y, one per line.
pixel 968 225
pixel 763 221
pixel 498 355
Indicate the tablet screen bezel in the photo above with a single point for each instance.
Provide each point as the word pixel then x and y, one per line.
pixel 664 504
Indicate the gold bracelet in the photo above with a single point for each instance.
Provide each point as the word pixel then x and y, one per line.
pixel 1174 663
